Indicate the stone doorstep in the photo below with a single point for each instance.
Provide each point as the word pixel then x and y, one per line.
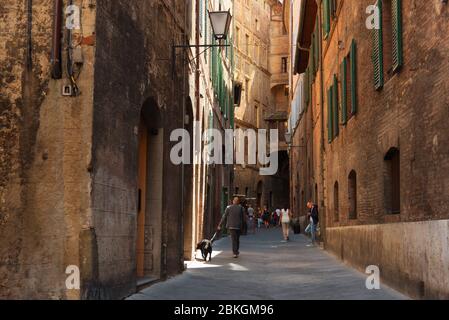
pixel 143 283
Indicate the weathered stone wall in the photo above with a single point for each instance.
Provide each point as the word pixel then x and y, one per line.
pixel 44 158
pixel 133 74
pixel 68 184
pixel 264 96
pixel 252 60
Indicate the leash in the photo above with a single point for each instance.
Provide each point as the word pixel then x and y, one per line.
pixel 214 237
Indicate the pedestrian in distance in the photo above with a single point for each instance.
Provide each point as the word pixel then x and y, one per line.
pixel 266 218
pixel 259 218
pixel 251 220
pixel 233 218
pixel 277 217
pixel 285 222
pixel 313 217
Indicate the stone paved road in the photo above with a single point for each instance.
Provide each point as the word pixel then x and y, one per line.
pixel 270 270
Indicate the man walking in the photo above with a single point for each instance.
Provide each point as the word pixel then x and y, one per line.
pixel 233 217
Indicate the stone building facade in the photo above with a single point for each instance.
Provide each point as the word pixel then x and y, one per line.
pixel 212 92
pixel 261 62
pixel 86 176
pixel 372 123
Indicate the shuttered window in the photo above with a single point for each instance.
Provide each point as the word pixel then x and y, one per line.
pixel 333 8
pixel 329 116
pixel 377 52
pixel 326 17
pixel 353 77
pixel 316 50
pixel 210 125
pixel 206 26
pixel 312 60
pixel 335 108
pixel 311 77
pixel 201 24
pixel 344 89
pixel 306 88
pixel 213 64
pixel 397 52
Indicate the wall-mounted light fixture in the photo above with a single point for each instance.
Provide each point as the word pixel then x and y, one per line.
pixel 220 21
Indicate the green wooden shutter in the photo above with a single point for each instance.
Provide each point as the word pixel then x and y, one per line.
pixel 206 25
pixel 210 125
pixel 306 88
pixel 329 115
pixel 326 17
pixel 213 65
pixel 317 48
pixel 311 80
pixel 231 105
pixel 201 4
pixel 397 52
pixel 336 113
pixel 344 90
pixel 312 56
pixel 353 77
pixel 377 54
pixel 226 97
pixel 333 8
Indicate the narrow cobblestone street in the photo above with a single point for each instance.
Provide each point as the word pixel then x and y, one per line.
pixel 132 130
pixel 267 269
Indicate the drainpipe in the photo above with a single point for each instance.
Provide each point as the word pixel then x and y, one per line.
pixel 182 226
pixel 199 211
pixel 197 53
pixel 322 149
pixel 29 59
pixel 56 63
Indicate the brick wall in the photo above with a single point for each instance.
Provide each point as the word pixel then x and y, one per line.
pixel 409 114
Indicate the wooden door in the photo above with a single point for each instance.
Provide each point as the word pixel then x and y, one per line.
pixel 142 185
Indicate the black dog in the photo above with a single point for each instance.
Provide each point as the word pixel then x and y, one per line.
pixel 206 247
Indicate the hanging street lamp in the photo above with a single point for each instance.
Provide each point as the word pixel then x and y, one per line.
pixel 220 22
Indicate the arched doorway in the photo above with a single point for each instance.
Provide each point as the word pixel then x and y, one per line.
pixel 150 182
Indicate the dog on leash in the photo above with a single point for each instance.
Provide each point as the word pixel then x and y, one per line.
pixel 206 247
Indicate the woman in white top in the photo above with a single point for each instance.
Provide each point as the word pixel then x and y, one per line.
pixel 285 222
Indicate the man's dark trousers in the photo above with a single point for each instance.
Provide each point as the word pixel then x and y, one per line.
pixel 235 236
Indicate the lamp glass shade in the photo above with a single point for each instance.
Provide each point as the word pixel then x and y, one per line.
pixel 288 138
pixel 220 21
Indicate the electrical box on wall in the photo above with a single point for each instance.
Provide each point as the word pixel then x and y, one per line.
pixel 78 55
pixel 67 90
